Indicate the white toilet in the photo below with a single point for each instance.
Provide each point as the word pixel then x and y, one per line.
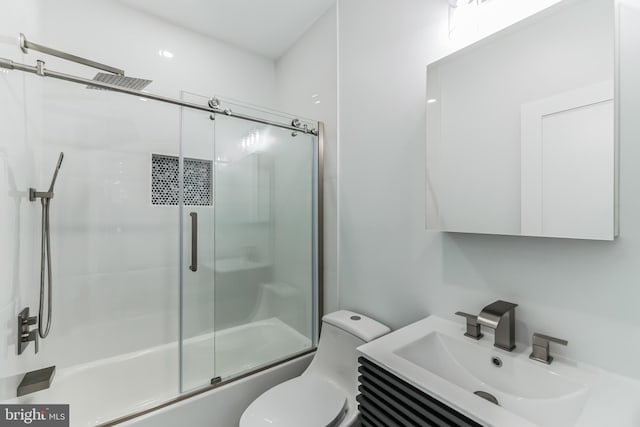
pixel 325 394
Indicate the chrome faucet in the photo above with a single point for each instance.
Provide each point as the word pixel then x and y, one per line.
pixel 500 316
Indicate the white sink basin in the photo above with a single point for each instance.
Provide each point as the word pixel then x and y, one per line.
pixel 435 356
pixel 539 395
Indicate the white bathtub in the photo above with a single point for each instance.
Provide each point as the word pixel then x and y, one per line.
pixel 222 406
pixel 110 388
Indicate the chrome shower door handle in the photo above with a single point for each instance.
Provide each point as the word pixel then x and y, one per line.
pixel 194 241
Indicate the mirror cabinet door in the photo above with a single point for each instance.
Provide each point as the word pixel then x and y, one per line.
pixel 521 136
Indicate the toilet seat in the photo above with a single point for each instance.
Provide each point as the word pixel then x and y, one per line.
pixel 303 401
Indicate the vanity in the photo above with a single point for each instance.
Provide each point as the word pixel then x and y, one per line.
pixel 430 373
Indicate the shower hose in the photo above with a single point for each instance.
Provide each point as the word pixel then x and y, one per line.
pixel 45 251
pixel 45 264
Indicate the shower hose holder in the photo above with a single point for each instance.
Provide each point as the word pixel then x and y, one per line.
pixel 35 195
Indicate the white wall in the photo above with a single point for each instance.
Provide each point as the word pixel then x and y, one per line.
pixel 306 79
pixel 115 257
pixel 18 170
pixel 394 270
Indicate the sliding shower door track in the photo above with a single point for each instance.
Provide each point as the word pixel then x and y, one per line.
pixel 213 107
pixel 204 389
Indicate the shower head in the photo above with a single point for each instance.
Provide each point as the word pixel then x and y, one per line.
pixel 114 76
pixel 55 172
pixel 120 80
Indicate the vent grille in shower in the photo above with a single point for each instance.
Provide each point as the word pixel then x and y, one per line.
pixel 198 183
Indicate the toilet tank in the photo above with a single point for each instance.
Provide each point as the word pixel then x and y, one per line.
pixel 336 359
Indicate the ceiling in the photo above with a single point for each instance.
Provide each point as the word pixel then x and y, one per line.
pixel 265 27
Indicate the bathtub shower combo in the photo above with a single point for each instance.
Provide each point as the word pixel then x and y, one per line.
pixel 215 235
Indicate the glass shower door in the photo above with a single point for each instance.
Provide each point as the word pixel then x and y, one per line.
pixel 264 247
pixel 248 270
pixel 197 237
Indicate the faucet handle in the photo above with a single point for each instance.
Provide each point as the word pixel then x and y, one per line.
pixel 31 336
pixel 540 347
pixel 541 338
pixel 473 327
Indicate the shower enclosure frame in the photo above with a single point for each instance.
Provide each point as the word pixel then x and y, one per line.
pixel 318 201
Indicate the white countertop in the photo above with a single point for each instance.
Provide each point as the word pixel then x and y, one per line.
pixel 611 399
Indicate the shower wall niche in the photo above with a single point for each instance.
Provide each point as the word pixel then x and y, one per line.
pixel 165 181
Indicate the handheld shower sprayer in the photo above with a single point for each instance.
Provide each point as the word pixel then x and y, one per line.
pixel 55 173
pixel 45 251
pixel 47 195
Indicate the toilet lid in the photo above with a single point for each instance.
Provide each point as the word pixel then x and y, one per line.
pixel 302 401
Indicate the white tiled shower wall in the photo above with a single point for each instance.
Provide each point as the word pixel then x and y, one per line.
pixel 115 257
